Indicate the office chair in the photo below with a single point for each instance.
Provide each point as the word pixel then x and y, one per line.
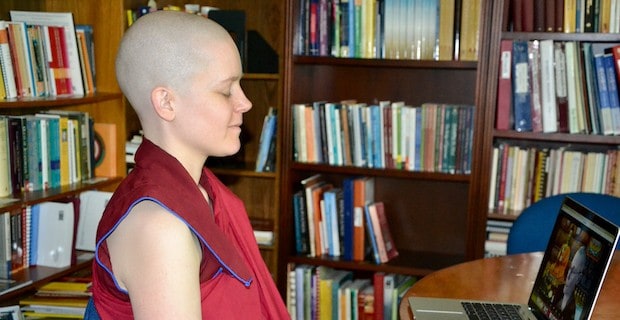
pixel 531 230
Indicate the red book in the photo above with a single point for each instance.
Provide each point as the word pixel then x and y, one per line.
pixel 549 15
pixel 517 15
pixel 528 15
pixel 559 15
pixel 386 241
pixel 59 64
pixel 378 286
pixel 504 87
pixel 539 15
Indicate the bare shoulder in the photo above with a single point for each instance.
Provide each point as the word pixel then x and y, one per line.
pixel 148 241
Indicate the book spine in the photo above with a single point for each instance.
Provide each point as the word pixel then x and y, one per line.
pixel 521 88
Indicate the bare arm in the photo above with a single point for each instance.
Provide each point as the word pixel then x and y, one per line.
pixel 156 258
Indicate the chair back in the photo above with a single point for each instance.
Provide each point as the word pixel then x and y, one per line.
pixel 532 229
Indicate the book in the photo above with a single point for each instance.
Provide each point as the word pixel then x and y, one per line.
pixel 469 33
pixel 92 205
pixel 65 21
pixel 54 232
pixel 446 29
pixel 605 113
pixel 610 66
pixel 548 90
pixel 561 89
pixel 521 87
pixel 6 187
pixel 371 230
pixel 363 193
pixel 265 140
pixel 20 50
pixel 503 113
pixel 83 34
pixel 535 84
pixel 386 240
pixel 6 63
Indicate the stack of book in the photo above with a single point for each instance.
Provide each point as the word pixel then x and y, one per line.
pixel 45 54
pixel 66 298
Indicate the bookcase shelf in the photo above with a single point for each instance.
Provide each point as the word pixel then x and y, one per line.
pixel 392 173
pixel 487 134
pixel 37 276
pixel 38 196
pixel 58 101
pixel 105 106
pixel 429 213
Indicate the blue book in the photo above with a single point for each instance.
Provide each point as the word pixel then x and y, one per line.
pixel 330 218
pixel 371 235
pixel 267 134
pixel 34 235
pixel 603 95
pixel 521 91
pixel 377 141
pixel 301 223
pixel 612 90
pixel 418 140
pixel 347 220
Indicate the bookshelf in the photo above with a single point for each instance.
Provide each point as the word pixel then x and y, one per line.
pixel 429 213
pixel 105 106
pixel 258 190
pixel 488 136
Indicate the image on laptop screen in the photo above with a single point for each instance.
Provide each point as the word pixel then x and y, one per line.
pixel 573 266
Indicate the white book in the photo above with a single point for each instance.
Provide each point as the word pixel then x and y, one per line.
pixel 54 233
pixel 64 19
pixel 92 205
pixel 549 108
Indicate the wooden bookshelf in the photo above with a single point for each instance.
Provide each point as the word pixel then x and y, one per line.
pixel 105 106
pixel 486 133
pixel 430 214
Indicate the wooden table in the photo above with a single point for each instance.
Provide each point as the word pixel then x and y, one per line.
pixel 508 279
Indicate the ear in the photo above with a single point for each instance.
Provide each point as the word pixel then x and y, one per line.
pixel 162 100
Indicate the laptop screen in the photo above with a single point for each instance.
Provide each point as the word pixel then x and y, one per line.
pixel 575 262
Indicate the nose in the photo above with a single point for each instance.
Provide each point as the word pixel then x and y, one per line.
pixel 243 104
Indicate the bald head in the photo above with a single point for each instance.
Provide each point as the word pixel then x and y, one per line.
pixel 165 48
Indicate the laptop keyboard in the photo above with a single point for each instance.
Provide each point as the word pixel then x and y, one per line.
pixel 494 311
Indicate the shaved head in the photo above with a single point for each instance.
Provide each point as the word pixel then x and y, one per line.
pixel 164 49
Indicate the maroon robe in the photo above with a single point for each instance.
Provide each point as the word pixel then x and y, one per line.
pixel 234 281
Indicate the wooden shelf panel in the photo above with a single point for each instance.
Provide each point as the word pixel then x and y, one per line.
pixel 34 197
pixel 393 173
pixel 41 275
pixel 415 263
pixel 386 63
pixel 57 101
pixel 558 36
pixel 557 137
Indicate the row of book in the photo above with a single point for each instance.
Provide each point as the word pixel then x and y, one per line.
pixel 266 156
pixel 563 16
pixel 49 149
pixel 342 220
pixel 521 176
pixel 45 54
pixel 432 137
pixel 389 29
pixel 319 292
pixel 46 233
pixel 559 86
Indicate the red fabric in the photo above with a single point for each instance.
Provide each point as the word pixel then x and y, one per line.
pixel 244 289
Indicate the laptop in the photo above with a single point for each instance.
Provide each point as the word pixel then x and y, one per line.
pixel 575 262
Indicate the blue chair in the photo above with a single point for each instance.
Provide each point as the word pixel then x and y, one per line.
pixel 531 230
